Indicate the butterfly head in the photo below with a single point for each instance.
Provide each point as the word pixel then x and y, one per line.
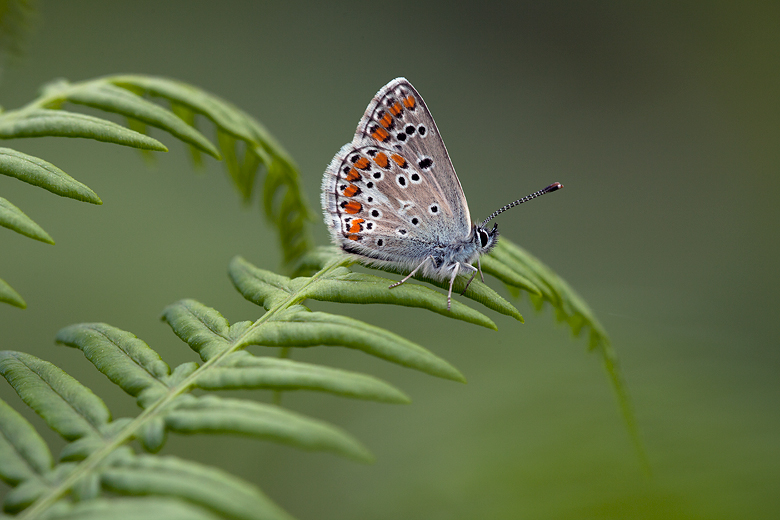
pixel 484 238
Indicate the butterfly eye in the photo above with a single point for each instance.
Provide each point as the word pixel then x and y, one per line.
pixel 483 238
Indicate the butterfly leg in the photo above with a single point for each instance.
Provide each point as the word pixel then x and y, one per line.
pixel 455 270
pixel 479 265
pixel 396 284
pixel 472 276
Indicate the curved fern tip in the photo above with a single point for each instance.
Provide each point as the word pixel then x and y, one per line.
pixel 9 295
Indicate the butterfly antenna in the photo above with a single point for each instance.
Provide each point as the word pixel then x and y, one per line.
pixel 552 187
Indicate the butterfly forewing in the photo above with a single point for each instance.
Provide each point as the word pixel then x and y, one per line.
pixel 398 119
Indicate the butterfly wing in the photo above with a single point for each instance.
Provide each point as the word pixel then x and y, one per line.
pixel 392 194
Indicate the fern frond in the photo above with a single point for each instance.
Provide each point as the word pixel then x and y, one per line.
pixel 244 143
pixel 98 463
pixel 96 445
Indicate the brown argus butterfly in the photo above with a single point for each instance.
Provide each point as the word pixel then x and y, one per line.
pixel 391 197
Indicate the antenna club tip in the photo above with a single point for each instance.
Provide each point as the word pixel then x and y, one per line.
pixel 554 186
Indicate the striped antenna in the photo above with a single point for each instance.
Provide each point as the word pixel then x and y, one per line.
pixel 552 187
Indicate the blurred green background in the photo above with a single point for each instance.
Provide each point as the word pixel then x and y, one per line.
pixel 660 118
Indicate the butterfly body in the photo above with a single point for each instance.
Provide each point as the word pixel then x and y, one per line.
pixel 392 198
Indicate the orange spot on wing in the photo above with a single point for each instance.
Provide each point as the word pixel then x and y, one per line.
pixel 409 101
pixel 396 108
pixel 353 237
pixel 353 175
pixel 381 159
pixel 386 120
pixel 380 134
pixel 351 190
pixel 400 161
pixel 362 163
pixel 356 227
pixel 353 207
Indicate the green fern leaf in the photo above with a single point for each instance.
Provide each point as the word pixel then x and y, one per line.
pixel 38 172
pixel 299 327
pixel 188 116
pixel 258 285
pixel 201 327
pixel 212 414
pixel 13 218
pixel 10 296
pixel 492 265
pixel 41 122
pixel 109 98
pixel 347 287
pixel 122 357
pixel 243 370
pixel 339 285
pixel 227 143
pixel 372 285
pixel 222 113
pixel 208 487
pixel 25 494
pixel 67 406
pixel 566 302
pixel 209 334
pixel 147 508
pixel 23 453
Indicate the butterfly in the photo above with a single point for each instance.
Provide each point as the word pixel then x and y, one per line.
pixel 391 197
